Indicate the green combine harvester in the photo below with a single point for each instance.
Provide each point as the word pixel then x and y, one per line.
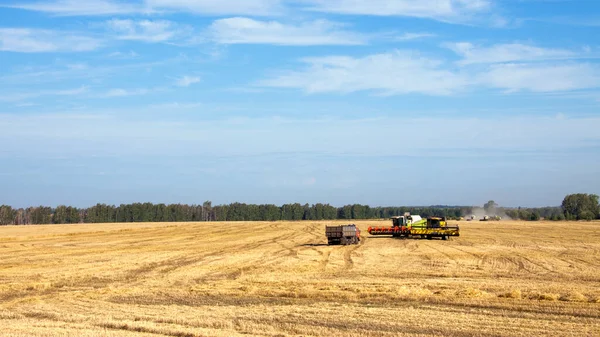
pixel 411 226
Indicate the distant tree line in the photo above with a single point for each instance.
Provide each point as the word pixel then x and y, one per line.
pixel 534 214
pixel 578 206
pixel 574 207
pixel 148 212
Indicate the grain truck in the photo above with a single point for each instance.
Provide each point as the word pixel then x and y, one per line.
pixel 342 235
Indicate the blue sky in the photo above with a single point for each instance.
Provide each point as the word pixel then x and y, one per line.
pixel 378 102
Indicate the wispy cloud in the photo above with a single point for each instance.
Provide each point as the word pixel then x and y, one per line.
pixel 123 55
pixel 119 92
pixel 78 71
pixel 443 10
pixel 77 66
pixel 389 74
pixel 19 96
pixel 499 53
pixel 545 77
pixel 27 40
pixel 520 67
pixel 70 92
pixel 176 106
pixel 414 36
pixel 147 30
pixel 248 31
pixel 127 92
pixel 219 7
pixel 186 81
pixel 25 104
pixel 403 72
pixel 580 20
pixel 593 95
pixel 114 7
pixel 79 7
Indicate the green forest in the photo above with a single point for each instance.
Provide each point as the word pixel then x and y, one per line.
pixel 574 207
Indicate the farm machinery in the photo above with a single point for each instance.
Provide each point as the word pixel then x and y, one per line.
pixel 342 235
pixel 414 226
pixel 491 218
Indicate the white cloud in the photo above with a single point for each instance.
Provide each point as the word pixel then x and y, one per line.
pixel 77 66
pixel 244 30
pixel 389 74
pixel 413 36
pixel 444 10
pixel 219 7
pixel 186 81
pixel 15 97
pixel 404 72
pixel 79 7
pixel 118 92
pixel 121 92
pixel 25 104
pixel 541 77
pixel 58 73
pixel 71 92
pixel 146 30
pixel 593 94
pixel 499 53
pixel 25 40
pixel 520 67
pixel 176 106
pixel 124 55
pixel 114 7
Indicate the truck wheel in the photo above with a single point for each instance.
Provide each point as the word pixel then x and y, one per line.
pixel 445 237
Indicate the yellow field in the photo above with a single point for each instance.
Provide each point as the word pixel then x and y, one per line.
pixel 279 279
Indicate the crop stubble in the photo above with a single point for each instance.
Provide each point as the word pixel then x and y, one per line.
pixel 280 278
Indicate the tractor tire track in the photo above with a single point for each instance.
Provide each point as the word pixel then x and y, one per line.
pixel 324 260
pixel 348 262
pixel 481 258
pixel 441 252
pixel 519 263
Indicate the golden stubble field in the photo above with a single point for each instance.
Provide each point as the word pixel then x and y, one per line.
pixel 281 279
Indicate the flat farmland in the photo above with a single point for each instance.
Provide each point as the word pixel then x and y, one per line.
pixel 503 278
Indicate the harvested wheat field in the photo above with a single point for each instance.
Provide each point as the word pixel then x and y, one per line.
pixel 281 279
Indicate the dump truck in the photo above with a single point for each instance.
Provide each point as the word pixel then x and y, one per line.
pixel 342 235
pixel 406 226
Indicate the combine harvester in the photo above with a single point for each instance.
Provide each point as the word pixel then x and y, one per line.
pixel 413 225
pixel 491 218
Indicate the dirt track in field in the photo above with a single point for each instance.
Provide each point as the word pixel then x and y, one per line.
pixel 278 279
